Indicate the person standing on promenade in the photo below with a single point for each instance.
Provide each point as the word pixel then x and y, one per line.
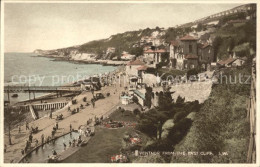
pixel 30 138
pixel 36 142
pixel 70 127
pixel 19 129
pixel 27 126
pixel 64 146
pixel 42 138
pixel 50 114
pixel 57 126
pixel 52 133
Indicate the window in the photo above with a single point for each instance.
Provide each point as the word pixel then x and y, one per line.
pixel 190 48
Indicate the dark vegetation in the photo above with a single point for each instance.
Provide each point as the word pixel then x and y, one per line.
pixel 230 36
pixel 150 123
pixel 220 125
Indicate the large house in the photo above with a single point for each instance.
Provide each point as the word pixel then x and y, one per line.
pixel 154 57
pixel 187 53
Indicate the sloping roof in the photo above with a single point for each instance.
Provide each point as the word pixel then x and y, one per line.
pixel 227 61
pixel 142 68
pixel 190 56
pixel 202 46
pixel 188 38
pixel 174 43
pixel 149 51
pixel 135 62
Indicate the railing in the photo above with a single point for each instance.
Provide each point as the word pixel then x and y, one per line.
pixel 40 88
pixel 251 115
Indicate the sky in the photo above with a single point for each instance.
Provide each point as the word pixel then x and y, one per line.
pixel 30 26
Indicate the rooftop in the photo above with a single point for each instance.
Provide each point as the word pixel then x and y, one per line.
pixel 135 62
pixel 190 56
pixel 188 38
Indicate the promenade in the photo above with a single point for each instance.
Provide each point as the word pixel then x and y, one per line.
pixel 102 107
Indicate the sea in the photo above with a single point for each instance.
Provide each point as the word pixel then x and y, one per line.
pixel 31 70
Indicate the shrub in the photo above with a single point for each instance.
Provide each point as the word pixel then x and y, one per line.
pixel 136 111
pixel 179 115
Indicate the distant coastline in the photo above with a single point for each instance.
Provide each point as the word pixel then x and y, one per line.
pixel 102 62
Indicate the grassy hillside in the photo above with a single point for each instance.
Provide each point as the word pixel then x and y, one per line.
pixel 220 125
pixel 122 42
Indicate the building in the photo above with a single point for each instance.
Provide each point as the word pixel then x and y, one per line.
pixel 110 50
pixel 206 55
pixel 132 67
pixel 154 57
pixel 232 62
pixel 188 53
pixel 127 57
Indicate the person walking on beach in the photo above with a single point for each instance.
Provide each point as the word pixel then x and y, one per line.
pixel 27 126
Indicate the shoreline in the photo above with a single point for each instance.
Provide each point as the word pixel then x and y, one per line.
pixel 52 95
pixel 101 62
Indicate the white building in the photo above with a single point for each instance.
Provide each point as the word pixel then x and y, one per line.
pixel 132 67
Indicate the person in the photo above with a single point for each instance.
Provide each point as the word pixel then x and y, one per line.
pixel 57 126
pixel 52 133
pixel 93 103
pixel 36 142
pixel 68 108
pixel 50 116
pixel 30 138
pixel 19 129
pixel 70 127
pixel 42 138
pixel 27 126
pixel 22 151
pixel 64 146
pixel 54 152
pixel 70 143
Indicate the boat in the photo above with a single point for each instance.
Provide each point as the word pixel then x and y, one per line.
pixel 15 95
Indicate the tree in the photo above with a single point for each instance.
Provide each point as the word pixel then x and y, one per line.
pixel 216 45
pixel 137 51
pixel 148 96
pixel 199 27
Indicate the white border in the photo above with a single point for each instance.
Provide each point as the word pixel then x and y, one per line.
pixel 125 2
